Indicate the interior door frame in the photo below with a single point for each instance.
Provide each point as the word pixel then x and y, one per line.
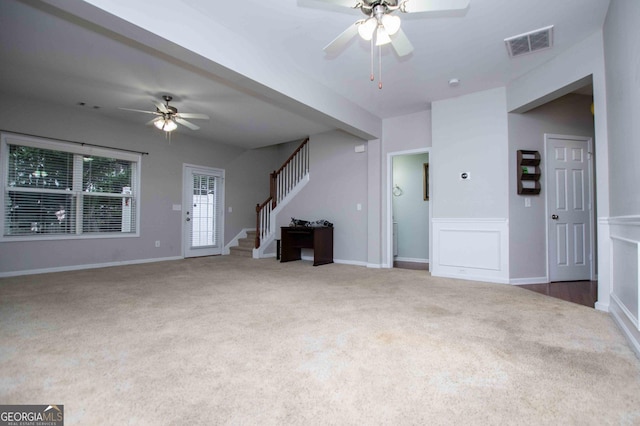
pixel 186 198
pixel 592 200
pixel 389 195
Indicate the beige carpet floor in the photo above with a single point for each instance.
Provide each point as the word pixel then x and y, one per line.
pixel 238 341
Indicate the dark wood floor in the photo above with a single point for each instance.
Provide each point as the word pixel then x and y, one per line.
pixel 581 292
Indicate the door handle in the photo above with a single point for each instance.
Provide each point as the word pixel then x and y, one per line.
pixel 188 219
pixel 554 217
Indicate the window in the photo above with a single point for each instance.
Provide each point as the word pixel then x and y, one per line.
pixel 59 190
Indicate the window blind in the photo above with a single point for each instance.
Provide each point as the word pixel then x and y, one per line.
pixel 53 189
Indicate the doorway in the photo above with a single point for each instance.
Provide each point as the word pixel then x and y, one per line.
pixel 409 210
pixel 570 207
pixel 202 208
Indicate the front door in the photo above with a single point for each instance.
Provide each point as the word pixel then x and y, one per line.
pixel 202 211
pixel 569 180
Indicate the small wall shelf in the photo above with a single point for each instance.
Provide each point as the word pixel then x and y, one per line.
pixel 528 172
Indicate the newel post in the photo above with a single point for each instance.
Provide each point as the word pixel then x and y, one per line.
pixel 273 190
pixel 257 242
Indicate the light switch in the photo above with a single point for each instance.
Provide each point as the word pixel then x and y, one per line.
pixel 358 206
pixel 177 207
pixel 527 201
pixel 230 209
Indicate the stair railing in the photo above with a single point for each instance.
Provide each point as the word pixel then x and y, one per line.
pixel 281 183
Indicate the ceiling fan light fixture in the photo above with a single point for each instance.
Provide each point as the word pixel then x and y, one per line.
pixel 382 37
pixel 367 28
pixel 391 24
pixel 166 124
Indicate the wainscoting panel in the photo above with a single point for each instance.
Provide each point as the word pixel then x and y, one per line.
pixel 474 249
pixel 625 276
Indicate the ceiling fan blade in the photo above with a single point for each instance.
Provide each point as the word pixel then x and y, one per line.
pixel 414 6
pixel 401 43
pixel 161 107
pixel 193 115
pixel 341 41
pixel 186 123
pixel 345 3
pixel 150 122
pixel 140 110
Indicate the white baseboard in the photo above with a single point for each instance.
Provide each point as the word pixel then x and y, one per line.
pixel 88 266
pixel 602 307
pixel 626 326
pixel 532 280
pixel 340 261
pixel 350 262
pixel 471 277
pixel 410 259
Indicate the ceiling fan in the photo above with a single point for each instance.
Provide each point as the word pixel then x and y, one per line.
pixel 382 26
pixel 168 116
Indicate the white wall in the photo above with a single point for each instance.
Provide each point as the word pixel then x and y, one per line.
pixel 161 185
pixel 622 58
pixel 470 228
pixel 410 210
pixel 569 115
pixel 338 183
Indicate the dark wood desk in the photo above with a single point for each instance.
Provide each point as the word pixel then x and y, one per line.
pixel 294 239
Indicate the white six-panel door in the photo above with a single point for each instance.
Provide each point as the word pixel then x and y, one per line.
pixel 569 180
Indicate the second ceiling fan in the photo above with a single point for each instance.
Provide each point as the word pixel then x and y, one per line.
pixel 168 116
pixel 382 24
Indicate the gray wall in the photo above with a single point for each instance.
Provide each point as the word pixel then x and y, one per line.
pixel 470 135
pixel 161 184
pixel 569 115
pixel 247 184
pixel 338 182
pixel 410 210
pixel 404 133
pixel 622 59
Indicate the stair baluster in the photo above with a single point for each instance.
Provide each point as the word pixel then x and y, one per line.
pixel 282 181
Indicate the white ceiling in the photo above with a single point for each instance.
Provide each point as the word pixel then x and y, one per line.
pixel 51 55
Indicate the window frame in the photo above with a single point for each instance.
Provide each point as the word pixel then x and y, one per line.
pixel 7 139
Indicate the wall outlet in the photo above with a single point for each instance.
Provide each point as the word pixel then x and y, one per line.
pixel 157 243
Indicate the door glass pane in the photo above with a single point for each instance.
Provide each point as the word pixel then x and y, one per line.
pixel 204 207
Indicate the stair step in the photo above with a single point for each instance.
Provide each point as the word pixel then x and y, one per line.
pixel 241 251
pixel 246 242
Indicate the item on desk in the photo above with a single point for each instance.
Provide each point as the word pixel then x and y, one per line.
pixel 298 222
pixel 322 223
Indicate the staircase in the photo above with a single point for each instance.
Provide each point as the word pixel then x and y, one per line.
pixel 245 245
pixel 284 184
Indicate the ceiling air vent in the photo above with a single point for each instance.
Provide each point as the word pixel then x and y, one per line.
pixel 530 42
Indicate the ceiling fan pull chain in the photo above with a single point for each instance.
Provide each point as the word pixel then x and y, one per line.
pixel 371 76
pixel 380 67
